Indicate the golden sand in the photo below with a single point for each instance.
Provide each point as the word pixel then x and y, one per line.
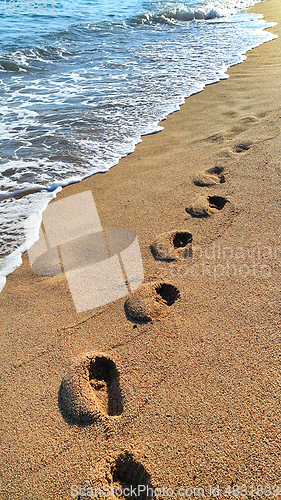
pixel 188 396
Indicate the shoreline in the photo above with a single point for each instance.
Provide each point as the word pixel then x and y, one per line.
pixel 15 257
pixel 199 381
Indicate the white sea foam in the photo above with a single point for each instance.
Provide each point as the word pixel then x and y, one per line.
pixel 90 90
pixel 14 259
pixel 172 12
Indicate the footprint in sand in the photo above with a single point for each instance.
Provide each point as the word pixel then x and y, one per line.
pixel 172 246
pixel 251 131
pixel 211 177
pixel 127 474
pixel 205 206
pixel 216 138
pixel 90 391
pixel 241 147
pixel 151 301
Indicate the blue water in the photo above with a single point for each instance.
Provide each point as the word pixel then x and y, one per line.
pixel 81 81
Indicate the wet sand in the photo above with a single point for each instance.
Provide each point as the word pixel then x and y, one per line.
pixel 180 388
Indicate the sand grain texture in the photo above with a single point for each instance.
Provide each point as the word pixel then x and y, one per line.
pixel 200 386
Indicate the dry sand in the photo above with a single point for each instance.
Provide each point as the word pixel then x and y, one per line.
pixel 194 394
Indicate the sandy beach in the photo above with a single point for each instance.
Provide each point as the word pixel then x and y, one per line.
pixel 174 387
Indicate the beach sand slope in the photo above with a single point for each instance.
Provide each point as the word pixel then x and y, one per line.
pixel 181 387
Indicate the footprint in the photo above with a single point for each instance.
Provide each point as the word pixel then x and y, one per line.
pixel 151 301
pixel 218 138
pixel 90 391
pixel 243 125
pixel 211 177
pixel 205 206
pixel 129 475
pixel 241 147
pixel 259 132
pixel 172 246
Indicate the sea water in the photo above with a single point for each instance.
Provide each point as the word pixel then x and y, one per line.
pixel 82 80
